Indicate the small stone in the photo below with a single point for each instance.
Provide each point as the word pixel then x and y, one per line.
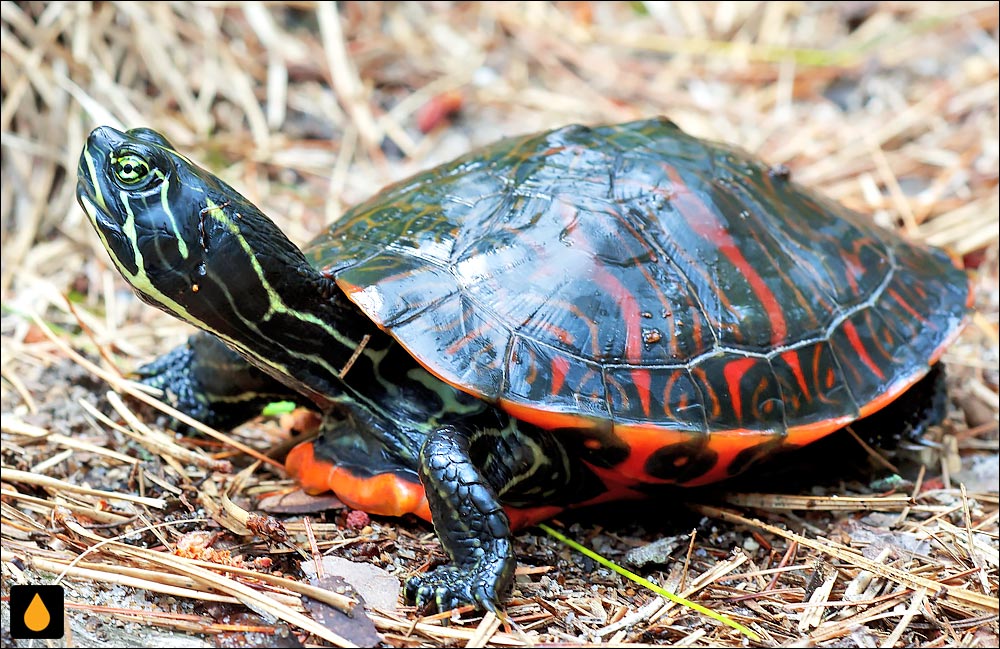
pixel 357 519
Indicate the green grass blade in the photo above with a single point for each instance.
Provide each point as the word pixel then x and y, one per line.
pixel 276 408
pixel 650 585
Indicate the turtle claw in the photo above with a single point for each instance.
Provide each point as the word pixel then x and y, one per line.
pixel 446 588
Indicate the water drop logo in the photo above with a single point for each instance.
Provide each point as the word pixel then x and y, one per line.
pixel 36 612
pixel 37 617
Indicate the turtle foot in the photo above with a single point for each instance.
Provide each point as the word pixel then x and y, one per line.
pixel 448 587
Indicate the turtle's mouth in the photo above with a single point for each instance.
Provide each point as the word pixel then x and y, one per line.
pixel 94 194
pixel 87 183
pixel 91 185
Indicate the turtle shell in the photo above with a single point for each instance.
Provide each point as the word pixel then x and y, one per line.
pixel 637 279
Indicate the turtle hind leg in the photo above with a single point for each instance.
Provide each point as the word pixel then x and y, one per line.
pixel 471 523
pixel 904 423
pixel 210 382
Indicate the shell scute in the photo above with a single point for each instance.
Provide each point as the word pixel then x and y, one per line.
pixel 811 383
pixel 539 375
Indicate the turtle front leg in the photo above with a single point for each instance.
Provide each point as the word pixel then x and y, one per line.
pixel 207 380
pixel 471 523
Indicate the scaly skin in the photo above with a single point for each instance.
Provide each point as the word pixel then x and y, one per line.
pixel 465 511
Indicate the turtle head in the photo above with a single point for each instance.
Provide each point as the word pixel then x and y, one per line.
pixel 187 242
pixel 128 185
pixel 191 245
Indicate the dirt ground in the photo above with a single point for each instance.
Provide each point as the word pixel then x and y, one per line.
pixel 890 108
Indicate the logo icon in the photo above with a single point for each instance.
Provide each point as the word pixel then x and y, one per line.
pixel 36 612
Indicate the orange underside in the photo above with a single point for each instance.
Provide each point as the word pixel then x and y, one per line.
pixel 385 494
pixel 389 494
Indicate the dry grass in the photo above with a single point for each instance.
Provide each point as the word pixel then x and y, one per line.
pixel 891 108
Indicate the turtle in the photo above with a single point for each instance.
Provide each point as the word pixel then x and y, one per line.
pixel 555 320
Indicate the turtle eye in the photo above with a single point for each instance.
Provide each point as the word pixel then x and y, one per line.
pixel 130 168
